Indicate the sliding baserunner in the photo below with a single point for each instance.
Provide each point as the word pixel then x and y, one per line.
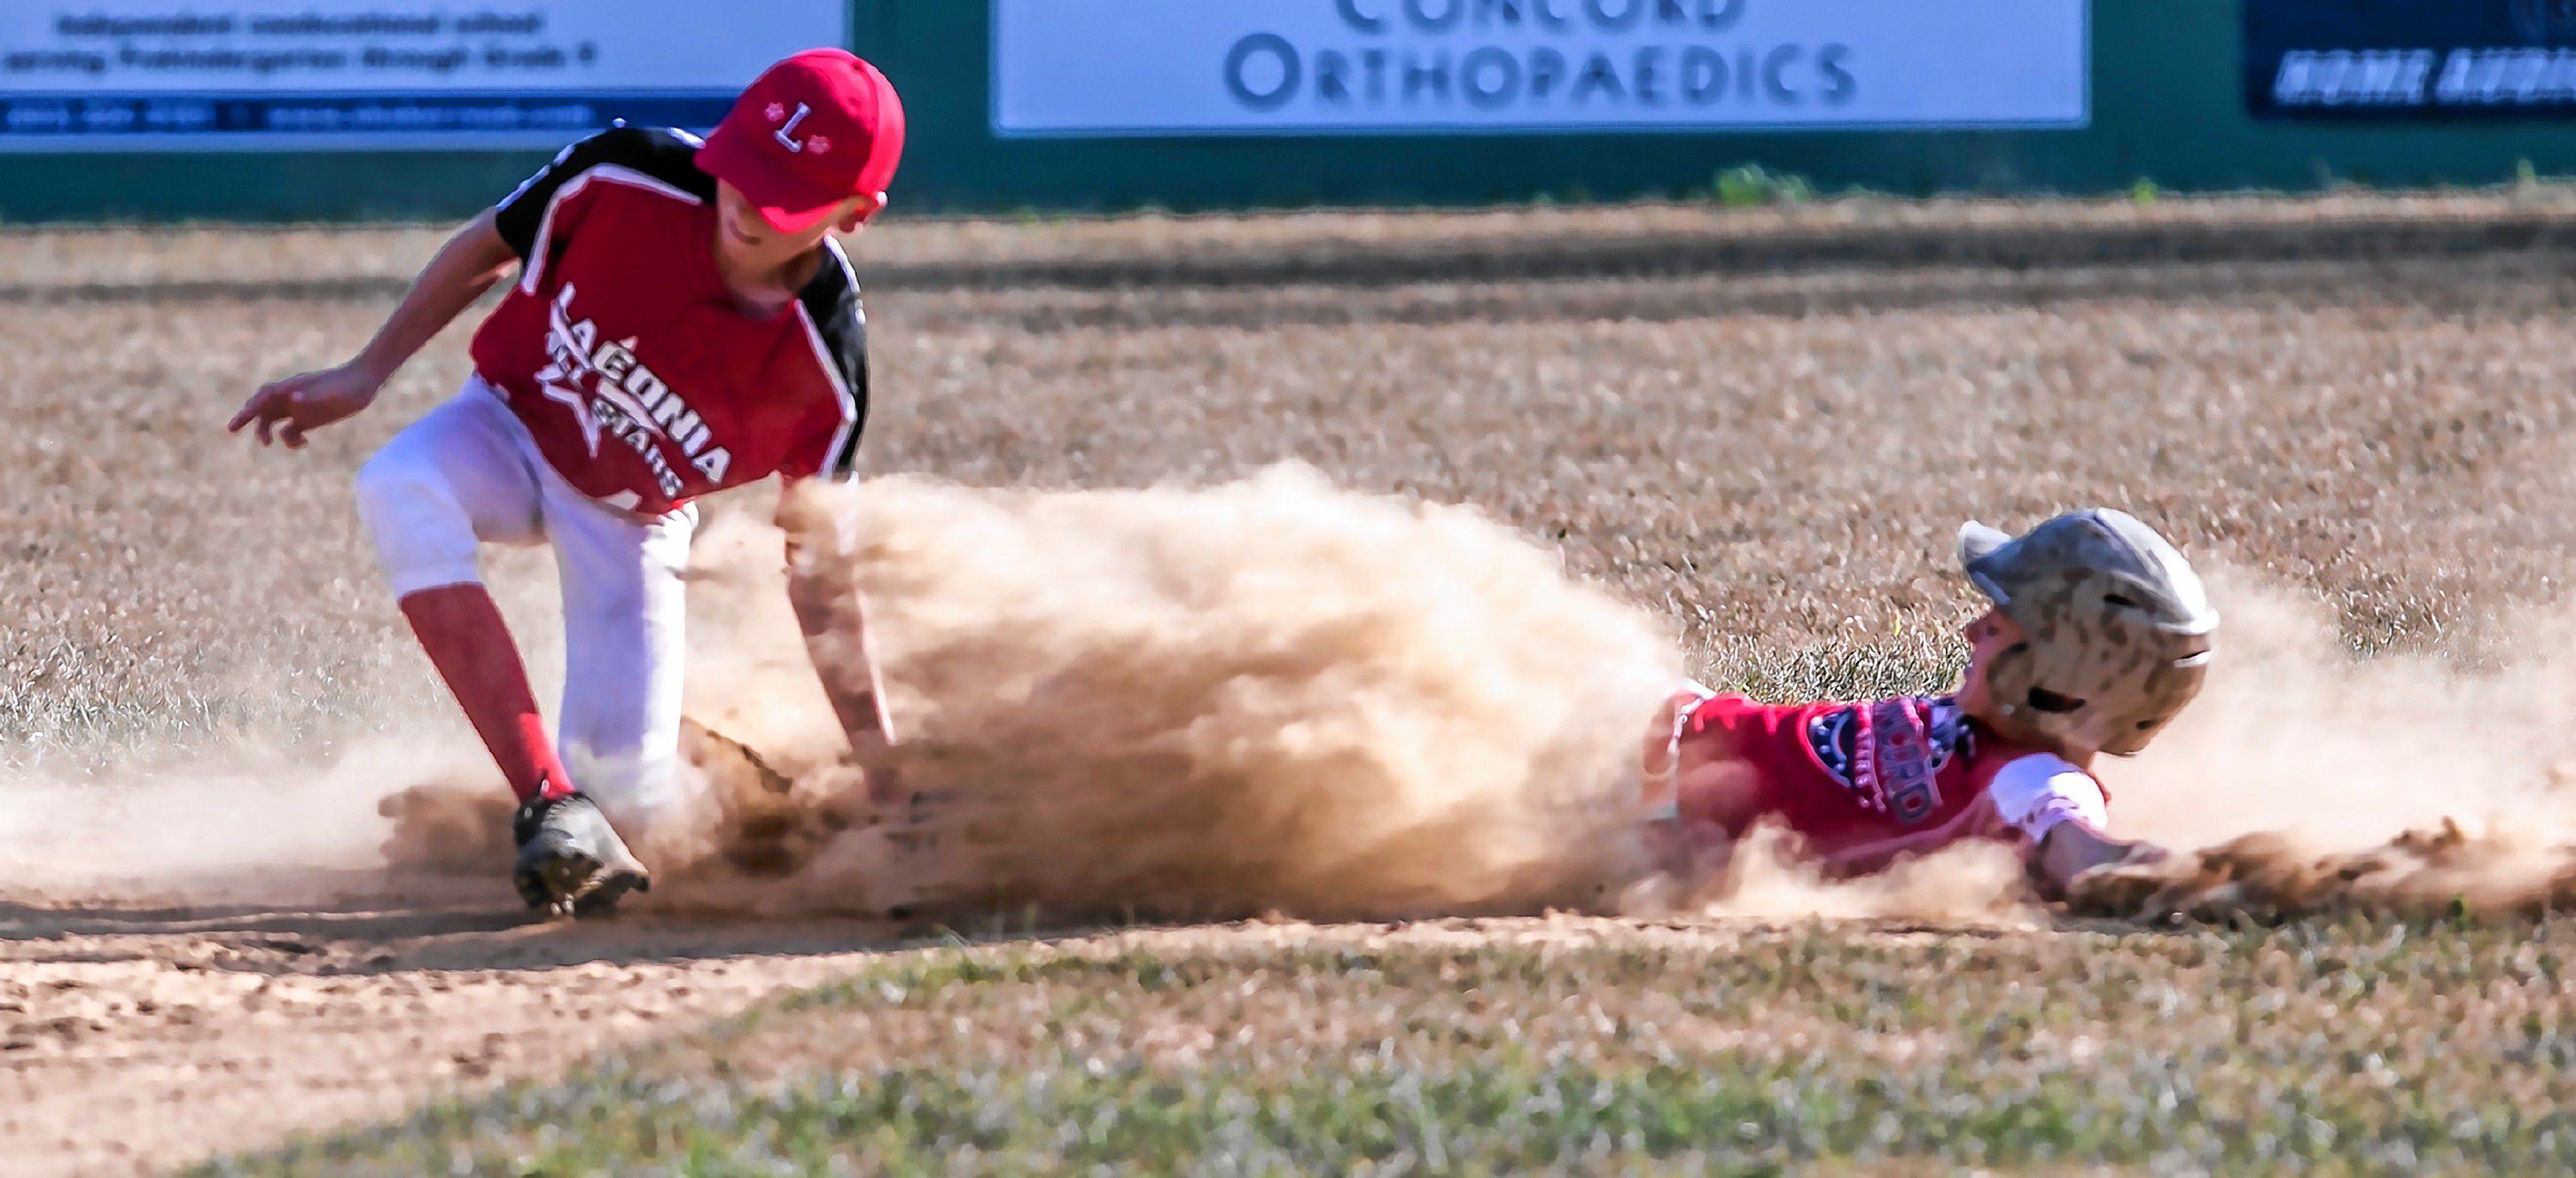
pixel 2097 633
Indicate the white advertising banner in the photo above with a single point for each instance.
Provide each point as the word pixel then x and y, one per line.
pixel 1233 67
pixel 266 74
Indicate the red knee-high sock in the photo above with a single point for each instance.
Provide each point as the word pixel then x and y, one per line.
pixel 466 639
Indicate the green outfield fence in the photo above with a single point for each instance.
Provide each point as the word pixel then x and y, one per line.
pixel 2166 106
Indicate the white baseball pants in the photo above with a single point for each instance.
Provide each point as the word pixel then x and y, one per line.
pixel 466 474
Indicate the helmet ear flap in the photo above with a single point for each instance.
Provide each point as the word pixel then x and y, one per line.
pixel 2011 676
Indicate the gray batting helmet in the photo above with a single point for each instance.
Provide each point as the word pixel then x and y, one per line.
pixel 2118 628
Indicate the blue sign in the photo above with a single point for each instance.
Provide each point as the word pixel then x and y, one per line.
pixel 2410 59
pixel 1110 68
pixel 153 75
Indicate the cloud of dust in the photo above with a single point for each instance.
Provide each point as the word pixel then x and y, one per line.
pixel 2295 734
pixel 2306 778
pixel 1767 876
pixel 239 825
pixel 1265 696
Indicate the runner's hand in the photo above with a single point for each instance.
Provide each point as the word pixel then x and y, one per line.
pixel 286 410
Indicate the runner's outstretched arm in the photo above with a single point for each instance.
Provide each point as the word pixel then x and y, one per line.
pixel 2073 848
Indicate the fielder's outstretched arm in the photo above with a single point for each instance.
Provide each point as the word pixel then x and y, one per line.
pixel 471 262
pixel 835 624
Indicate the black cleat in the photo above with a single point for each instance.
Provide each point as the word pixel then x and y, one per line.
pixel 571 862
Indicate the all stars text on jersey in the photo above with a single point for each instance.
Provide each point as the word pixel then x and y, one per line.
pixel 623 398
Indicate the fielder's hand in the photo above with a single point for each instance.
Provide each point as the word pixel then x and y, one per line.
pixel 286 410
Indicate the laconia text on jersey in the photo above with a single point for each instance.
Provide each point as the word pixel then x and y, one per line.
pixel 625 398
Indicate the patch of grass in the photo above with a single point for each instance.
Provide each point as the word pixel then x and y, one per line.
pixel 1912 661
pixel 1587 1047
pixel 1752 186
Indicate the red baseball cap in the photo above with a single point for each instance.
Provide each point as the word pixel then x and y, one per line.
pixel 810 132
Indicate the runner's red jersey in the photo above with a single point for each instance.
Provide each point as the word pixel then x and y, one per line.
pixel 641 380
pixel 1868 782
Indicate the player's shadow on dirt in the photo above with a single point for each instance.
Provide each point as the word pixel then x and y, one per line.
pixel 391 932
pixel 361 939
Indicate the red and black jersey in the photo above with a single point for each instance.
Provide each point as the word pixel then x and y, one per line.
pixel 641 379
pixel 1866 783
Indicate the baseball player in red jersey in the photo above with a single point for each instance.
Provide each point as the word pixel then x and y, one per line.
pixel 682 322
pixel 2098 634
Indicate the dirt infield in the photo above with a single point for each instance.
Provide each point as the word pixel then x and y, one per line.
pixel 139 1035
pixel 1761 426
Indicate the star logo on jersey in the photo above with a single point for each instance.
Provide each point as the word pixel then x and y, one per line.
pixel 568 363
pixel 818 144
pixel 622 355
pixel 777 113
